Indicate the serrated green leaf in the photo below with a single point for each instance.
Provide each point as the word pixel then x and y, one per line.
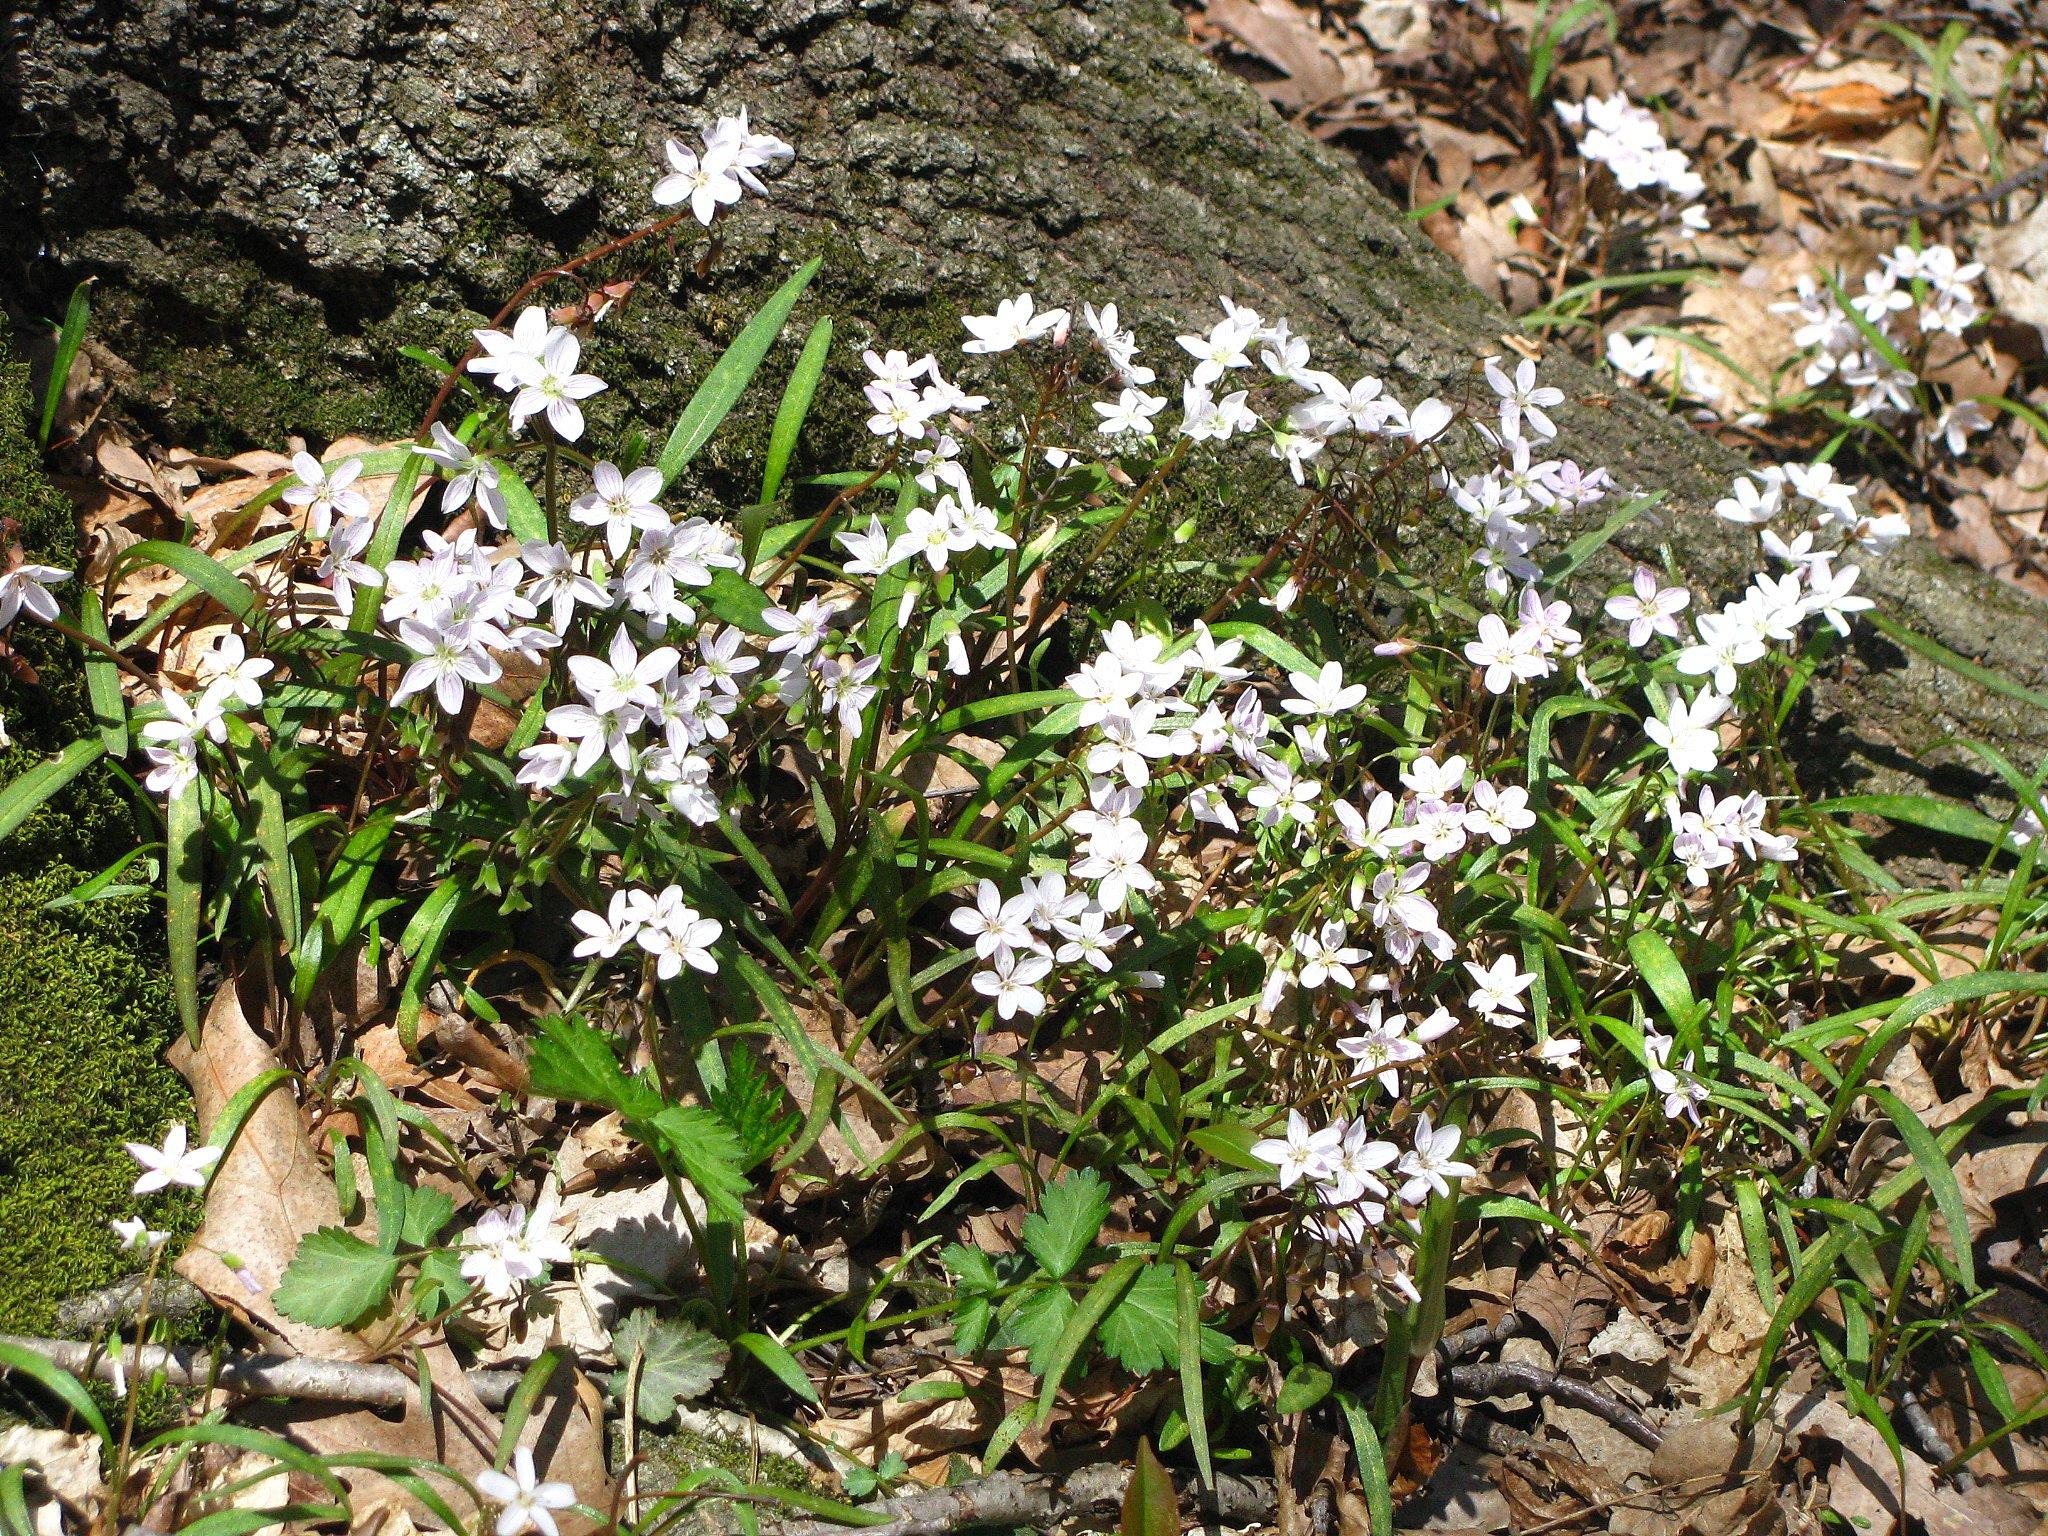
pixel 573 1061
pixel 1142 1331
pixel 711 1156
pixel 334 1279
pixel 1037 1323
pixel 679 1362
pixel 1064 1226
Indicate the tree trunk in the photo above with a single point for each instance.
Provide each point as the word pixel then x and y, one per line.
pixel 278 196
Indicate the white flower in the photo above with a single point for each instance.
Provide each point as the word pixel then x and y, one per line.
pixel 1221 349
pixel 526 1503
pixel 551 384
pixel 708 182
pixel 1637 359
pixel 1327 955
pixel 1959 422
pixel 1499 813
pixel 505 352
pixel 1507 658
pixel 232 673
pixel 749 151
pixel 1432 1161
pixel 1726 644
pixel 843 687
pixel 450 657
pixel 993 923
pixel 606 933
pixel 1830 595
pixel 1497 990
pixel 469 476
pixel 1301 1153
pixel 1012 983
pixel 1522 399
pixel 1428 419
pixel 620 504
pixel 135 1235
pixel 800 633
pixel 1354 1171
pixel 1013 324
pixel 1649 609
pixel 174 1163
pixel 1322 693
pixel 1687 733
pixel 326 491
pixel 1131 412
pixel 1752 502
pixel 25 589
pixel 676 934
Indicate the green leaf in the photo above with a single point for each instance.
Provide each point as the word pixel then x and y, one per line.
pixel 1150 1506
pixel 1142 1331
pixel 796 403
pixel 1102 1296
pixel 28 790
pixel 711 1156
pixel 1940 1177
pixel 679 1362
pixel 420 945
pixel 202 570
pixel 1658 964
pixel 1305 1386
pixel 730 375
pixel 1187 1317
pixel 1037 1324
pixel 439 1287
pixel 334 1279
pixel 70 337
pixel 573 1061
pixel 61 1384
pixel 780 1362
pixel 426 1212
pixel 103 677
pixel 1070 1214
pixel 1943 816
pixel 184 865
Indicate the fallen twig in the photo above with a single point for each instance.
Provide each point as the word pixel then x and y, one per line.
pixel 1928 1438
pixel 1036 1501
pixel 118 1305
pixel 375 1386
pixel 1500 1379
pixel 1883 218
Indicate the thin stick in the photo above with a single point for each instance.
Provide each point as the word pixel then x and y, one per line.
pixel 1884 218
pixel 1474 1382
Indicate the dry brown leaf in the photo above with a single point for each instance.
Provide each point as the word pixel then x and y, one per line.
pixel 1721 1354
pixel 1994 1170
pixel 268 1192
pixel 1867 1490
pixel 1846 109
pixel 1287 37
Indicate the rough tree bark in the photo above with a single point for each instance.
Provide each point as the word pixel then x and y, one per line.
pixel 278 196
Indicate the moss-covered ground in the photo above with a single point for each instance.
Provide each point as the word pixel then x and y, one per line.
pixel 85 1003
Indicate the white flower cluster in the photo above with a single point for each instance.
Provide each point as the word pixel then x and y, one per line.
pixel 714 177
pixel 174 740
pixel 1629 141
pixel 1932 283
pixel 672 932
